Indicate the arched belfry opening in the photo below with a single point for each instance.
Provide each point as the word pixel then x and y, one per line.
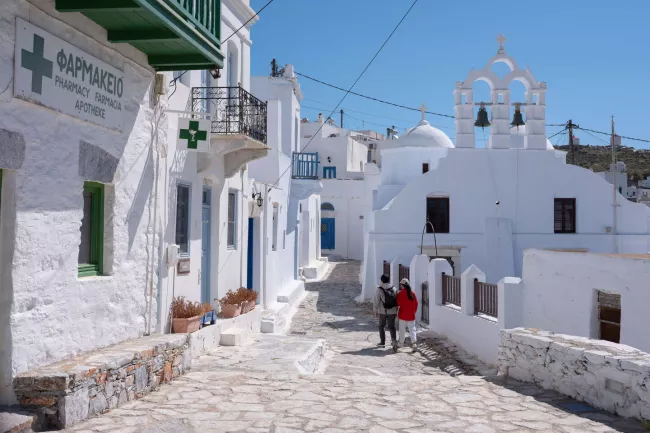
pixel 516 99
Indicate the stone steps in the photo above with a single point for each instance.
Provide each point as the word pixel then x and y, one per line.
pixel 233 337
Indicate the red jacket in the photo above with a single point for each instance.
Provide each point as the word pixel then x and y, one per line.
pixel 407 307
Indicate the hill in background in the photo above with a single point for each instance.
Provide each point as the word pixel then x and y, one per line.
pixel 598 158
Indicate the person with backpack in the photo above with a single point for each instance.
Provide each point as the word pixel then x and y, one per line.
pixel 407 304
pixel 384 305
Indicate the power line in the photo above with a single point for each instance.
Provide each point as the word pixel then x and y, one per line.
pixel 251 19
pixel 350 89
pixel 371 97
pixel 609 134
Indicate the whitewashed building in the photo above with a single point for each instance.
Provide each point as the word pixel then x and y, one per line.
pixel 94 183
pixel 343 156
pixel 280 243
pixel 486 205
pixel 206 196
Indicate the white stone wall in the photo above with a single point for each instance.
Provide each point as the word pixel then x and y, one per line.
pixel 610 376
pixel 560 293
pixel 47 313
pixel 347 198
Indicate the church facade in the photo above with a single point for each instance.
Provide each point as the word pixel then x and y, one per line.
pixel 485 206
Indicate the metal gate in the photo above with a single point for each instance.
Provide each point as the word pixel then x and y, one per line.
pixel 425 302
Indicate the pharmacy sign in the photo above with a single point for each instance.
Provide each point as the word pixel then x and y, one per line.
pixel 193 134
pixel 58 75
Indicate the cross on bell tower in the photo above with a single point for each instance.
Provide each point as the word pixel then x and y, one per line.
pixel 423 110
pixel 501 39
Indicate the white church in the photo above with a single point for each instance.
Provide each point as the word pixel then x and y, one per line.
pixel 484 206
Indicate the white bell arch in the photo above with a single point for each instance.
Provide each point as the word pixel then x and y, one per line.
pixel 534 106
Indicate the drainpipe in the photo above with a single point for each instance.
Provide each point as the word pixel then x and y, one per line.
pixel 244 226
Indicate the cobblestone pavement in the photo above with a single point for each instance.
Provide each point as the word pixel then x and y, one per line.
pixel 363 389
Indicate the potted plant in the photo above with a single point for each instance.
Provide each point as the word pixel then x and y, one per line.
pixel 209 315
pixel 230 305
pixel 186 315
pixel 249 296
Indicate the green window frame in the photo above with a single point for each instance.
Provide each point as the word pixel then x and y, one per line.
pixel 95 265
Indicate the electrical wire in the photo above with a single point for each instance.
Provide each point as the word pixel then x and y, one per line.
pixel 557 133
pixel 350 89
pixel 371 97
pixel 609 134
pixel 175 80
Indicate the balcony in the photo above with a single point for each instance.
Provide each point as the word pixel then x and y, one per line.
pixel 174 34
pixel 238 124
pixel 304 166
pixel 304 175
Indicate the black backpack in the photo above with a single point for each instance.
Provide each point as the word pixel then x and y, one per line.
pixel 390 298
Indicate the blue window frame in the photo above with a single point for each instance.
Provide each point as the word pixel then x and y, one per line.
pixel 329 172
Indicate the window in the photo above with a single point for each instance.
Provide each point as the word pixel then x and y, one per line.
pixel 438 214
pixel 425 167
pixel 329 172
pixel 274 245
pixel 327 206
pixel 565 215
pixel 91 248
pixel 183 218
pixel 232 220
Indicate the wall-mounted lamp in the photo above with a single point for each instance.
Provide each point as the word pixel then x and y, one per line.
pixel 257 196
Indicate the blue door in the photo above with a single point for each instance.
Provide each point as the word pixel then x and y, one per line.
pixel 327 233
pixel 205 246
pixel 249 269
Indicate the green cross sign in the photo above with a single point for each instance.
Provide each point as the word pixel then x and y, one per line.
pixel 39 65
pixel 193 135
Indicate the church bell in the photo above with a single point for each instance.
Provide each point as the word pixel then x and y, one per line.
pixel 517 119
pixel 482 117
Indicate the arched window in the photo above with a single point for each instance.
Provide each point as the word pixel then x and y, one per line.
pixel 327 206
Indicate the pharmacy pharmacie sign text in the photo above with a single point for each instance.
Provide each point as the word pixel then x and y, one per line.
pixel 55 74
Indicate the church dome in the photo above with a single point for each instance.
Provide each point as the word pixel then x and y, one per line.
pixel 424 135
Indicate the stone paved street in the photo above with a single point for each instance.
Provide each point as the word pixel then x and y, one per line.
pixel 257 388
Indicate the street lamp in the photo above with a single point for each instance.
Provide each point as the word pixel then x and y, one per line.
pixel 435 242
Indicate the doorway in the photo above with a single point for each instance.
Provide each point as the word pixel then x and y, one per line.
pixel 327 227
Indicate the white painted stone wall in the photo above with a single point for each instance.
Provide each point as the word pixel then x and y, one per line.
pixel 47 313
pixel 559 293
pixel 610 376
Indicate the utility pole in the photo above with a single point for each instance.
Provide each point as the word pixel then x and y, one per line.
pixel 341 118
pixel 614 187
pixel 570 125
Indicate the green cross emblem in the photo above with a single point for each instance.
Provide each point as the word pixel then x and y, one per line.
pixel 39 65
pixel 193 135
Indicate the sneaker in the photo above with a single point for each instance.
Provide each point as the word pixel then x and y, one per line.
pixel 394 344
pixel 381 344
pixel 414 347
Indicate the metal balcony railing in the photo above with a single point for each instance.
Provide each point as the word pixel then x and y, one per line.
pixel 304 165
pixel 204 15
pixel 233 111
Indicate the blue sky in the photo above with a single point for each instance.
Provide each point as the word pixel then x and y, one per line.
pixel 593 54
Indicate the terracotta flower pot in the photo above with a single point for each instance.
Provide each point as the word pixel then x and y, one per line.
pixel 183 326
pixel 229 311
pixel 248 306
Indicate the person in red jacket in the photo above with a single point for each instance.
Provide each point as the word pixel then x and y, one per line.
pixel 407 304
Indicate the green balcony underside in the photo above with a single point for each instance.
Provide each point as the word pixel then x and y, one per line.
pixel 174 34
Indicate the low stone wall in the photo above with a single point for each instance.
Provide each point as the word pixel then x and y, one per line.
pixel 606 375
pixel 71 391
